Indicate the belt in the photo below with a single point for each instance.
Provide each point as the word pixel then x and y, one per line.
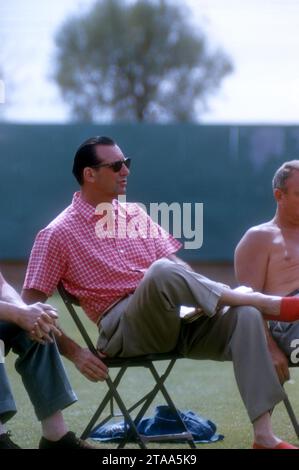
pixel 110 307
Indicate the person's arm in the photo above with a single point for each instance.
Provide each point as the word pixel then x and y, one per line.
pixel 85 361
pixel 8 294
pixel 13 309
pixel 251 261
pixel 30 296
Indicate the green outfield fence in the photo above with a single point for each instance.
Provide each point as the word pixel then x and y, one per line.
pixel 228 168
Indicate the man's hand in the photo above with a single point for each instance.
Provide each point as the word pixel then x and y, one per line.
pixel 90 366
pixel 39 320
pixel 280 362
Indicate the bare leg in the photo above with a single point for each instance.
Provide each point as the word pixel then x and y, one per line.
pixel 265 303
pixel 263 433
pixel 271 306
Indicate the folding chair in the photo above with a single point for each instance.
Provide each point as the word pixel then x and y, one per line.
pixel 113 397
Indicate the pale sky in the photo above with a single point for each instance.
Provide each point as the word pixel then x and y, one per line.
pixel 261 37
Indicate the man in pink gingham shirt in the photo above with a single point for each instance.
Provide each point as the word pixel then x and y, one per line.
pixel 122 268
pixel 98 270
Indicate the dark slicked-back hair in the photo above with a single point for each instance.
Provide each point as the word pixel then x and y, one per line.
pixel 86 155
pixel 284 173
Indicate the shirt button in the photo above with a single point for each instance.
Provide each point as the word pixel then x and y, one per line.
pixel 121 251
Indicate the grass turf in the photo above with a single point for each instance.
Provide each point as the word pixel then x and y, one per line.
pixel 205 387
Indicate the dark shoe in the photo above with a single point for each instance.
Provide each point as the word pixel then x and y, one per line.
pixel 6 442
pixel 68 441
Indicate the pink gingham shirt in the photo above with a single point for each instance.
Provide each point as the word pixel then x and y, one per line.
pixel 96 270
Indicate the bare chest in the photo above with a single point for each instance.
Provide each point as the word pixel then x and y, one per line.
pixel 283 265
pixel 285 248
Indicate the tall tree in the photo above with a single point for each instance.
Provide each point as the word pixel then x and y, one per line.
pixel 142 61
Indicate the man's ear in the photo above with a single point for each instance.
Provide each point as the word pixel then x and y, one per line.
pixel 278 193
pixel 88 175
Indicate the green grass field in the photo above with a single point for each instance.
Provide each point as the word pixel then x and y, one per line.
pixel 205 387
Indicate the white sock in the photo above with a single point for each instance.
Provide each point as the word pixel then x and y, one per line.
pixel 54 427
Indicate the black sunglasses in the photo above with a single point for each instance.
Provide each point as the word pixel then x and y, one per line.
pixel 115 166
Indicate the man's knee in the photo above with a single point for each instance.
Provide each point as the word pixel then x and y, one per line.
pixel 247 333
pixel 247 317
pixel 161 269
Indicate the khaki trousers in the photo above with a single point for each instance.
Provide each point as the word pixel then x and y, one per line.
pixel 148 321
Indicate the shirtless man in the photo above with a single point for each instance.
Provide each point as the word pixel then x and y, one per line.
pixel 267 259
